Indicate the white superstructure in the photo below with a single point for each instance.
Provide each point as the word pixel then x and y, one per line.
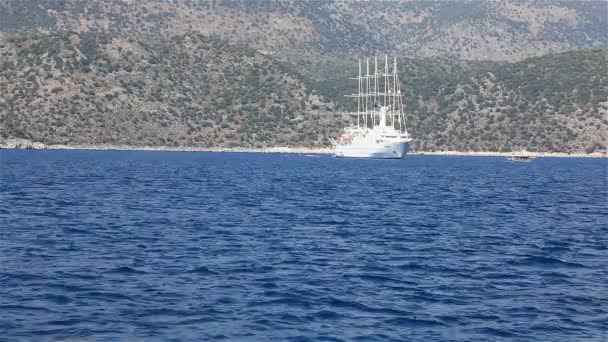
pixel 380 131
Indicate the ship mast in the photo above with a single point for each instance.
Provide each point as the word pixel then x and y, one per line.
pixel 375 90
pixel 363 91
pixel 385 77
pixel 393 90
pixel 359 97
pixel 401 109
pixel 393 94
pixel 366 89
pixel 370 92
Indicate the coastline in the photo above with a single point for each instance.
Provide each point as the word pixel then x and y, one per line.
pixel 508 154
pixel 277 149
pixel 287 149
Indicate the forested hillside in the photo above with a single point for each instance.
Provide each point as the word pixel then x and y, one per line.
pixel 273 73
pixel 190 90
pixel 477 30
pixel 551 103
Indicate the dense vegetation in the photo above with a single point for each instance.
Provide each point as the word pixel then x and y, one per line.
pixel 479 30
pixel 251 73
pixel 552 103
pixel 193 90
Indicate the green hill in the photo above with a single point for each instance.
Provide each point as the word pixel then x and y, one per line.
pixel 191 90
pixel 473 30
pixel 268 73
pixel 552 103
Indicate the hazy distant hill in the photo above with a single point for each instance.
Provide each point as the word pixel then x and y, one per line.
pixel 480 30
pixel 254 74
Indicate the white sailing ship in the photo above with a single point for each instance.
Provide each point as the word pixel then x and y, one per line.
pixel 380 131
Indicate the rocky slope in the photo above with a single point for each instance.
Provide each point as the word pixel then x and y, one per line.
pixel 552 103
pixel 190 90
pixel 478 30
pixel 272 73
pixel 24 144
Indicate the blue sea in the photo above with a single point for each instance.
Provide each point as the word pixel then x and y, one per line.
pixel 192 246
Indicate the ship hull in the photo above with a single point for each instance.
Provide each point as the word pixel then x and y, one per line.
pixel 388 150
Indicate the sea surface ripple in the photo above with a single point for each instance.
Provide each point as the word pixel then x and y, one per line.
pixel 171 246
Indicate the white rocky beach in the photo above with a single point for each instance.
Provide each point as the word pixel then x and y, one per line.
pixel 18 143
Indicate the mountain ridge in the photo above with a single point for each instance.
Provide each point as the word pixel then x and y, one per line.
pixel 505 31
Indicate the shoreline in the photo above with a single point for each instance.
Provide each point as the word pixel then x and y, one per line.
pixel 278 149
pixel 509 154
pixel 303 150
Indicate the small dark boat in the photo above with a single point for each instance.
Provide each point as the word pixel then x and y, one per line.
pixel 521 157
